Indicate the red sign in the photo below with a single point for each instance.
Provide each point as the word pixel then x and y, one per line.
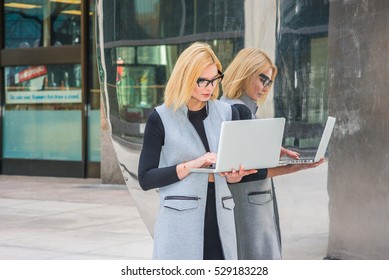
pixel 30 73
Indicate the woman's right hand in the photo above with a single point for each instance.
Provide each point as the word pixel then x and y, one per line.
pixel 205 160
pixel 183 169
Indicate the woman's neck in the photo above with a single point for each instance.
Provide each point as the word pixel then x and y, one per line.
pixel 195 105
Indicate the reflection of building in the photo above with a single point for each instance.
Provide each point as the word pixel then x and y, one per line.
pixel 301 92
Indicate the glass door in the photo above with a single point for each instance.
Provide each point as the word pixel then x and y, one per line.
pixel 42 116
pixel 50 118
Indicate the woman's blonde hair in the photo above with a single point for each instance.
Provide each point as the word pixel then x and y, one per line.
pixel 242 71
pixel 188 68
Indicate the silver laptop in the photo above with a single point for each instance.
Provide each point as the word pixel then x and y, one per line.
pixel 254 144
pixel 310 158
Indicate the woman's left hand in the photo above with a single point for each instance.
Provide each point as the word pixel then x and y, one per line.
pixel 236 176
pixel 303 166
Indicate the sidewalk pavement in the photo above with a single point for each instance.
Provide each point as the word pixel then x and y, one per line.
pixel 45 218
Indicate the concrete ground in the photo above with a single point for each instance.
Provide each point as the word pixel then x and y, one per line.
pixel 44 218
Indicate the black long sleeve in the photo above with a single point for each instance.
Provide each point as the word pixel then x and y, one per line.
pixel 150 176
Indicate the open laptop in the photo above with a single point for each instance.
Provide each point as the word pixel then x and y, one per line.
pixel 253 144
pixel 312 156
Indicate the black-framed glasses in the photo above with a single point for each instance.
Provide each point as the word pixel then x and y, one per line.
pixel 203 83
pixel 266 82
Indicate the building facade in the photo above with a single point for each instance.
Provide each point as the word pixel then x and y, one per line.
pixel 50 97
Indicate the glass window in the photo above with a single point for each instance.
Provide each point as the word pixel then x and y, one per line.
pixel 41 23
pixel 94 147
pixel 42 117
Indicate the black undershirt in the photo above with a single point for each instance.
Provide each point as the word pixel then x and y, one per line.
pixel 197 118
pixel 150 176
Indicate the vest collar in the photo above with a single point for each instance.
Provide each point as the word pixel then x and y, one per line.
pixel 251 104
pixel 184 109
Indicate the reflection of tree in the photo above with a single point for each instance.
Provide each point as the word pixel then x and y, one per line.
pixel 69 31
pixel 21 26
pixel 13 25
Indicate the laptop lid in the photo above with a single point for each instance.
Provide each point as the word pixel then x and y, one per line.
pixel 325 139
pixel 320 153
pixel 252 143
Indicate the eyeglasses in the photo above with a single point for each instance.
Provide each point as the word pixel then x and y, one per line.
pixel 203 83
pixel 266 82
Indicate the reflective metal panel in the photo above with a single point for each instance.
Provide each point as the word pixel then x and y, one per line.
pixel 139 41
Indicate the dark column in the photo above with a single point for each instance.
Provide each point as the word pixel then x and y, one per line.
pixel 358 178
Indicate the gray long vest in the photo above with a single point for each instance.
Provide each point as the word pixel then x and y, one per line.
pixel 179 229
pixel 256 213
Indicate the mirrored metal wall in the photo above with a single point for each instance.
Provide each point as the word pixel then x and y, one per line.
pixel 139 42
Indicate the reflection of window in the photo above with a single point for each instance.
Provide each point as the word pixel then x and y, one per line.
pixel 140 79
pixel 301 89
pixel 159 19
pixel 139 90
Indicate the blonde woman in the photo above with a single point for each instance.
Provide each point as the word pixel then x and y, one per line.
pixel 195 219
pixel 246 82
